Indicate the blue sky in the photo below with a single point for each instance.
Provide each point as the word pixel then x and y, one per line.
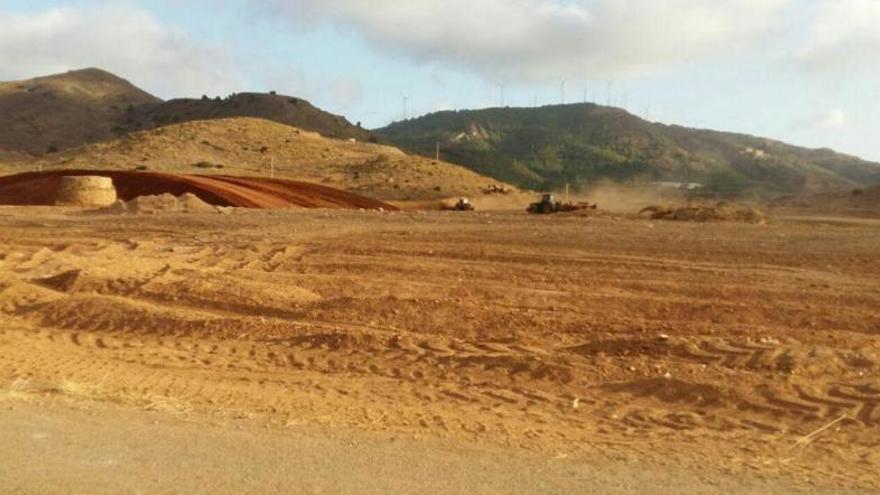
pixel 798 70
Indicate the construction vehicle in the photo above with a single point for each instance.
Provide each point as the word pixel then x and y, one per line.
pixel 463 204
pixel 549 204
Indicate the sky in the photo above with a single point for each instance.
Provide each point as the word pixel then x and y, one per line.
pixel 803 71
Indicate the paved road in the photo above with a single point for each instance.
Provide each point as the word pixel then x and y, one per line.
pixel 49 447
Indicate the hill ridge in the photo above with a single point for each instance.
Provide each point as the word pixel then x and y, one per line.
pixel 257 147
pixel 546 147
pixel 51 113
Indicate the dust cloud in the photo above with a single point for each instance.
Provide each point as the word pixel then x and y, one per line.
pixel 619 198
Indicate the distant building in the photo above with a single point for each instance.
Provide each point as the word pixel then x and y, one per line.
pixel 755 152
pixel 686 186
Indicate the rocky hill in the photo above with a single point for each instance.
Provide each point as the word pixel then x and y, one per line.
pixel 546 147
pixel 53 113
pixel 47 114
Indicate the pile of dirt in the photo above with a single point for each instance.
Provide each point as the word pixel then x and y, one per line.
pixel 39 189
pixel 721 212
pixel 163 203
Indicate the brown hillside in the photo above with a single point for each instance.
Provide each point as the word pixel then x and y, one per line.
pixel 9 156
pixel 56 112
pixel 63 111
pixel 246 146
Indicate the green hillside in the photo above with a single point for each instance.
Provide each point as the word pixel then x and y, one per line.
pixel 544 148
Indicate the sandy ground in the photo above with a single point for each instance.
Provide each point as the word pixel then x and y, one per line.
pixel 747 351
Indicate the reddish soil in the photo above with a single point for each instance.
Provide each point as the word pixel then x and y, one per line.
pixel 38 188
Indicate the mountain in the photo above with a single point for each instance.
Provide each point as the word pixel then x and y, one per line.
pixel 50 113
pixel 53 113
pixel 258 147
pixel 544 148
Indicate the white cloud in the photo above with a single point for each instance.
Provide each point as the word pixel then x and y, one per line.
pixel 825 122
pixel 346 91
pixel 533 40
pixel 834 120
pixel 124 40
pixel 844 35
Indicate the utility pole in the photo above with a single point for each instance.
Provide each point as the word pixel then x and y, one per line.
pixel 437 154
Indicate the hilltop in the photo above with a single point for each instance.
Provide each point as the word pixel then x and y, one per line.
pixel 286 110
pixel 250 147
pixel 50 113
pixel 63 111
pixel 546 147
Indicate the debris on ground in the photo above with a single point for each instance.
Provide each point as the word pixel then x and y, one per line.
pixel 162 203
pixel 720 212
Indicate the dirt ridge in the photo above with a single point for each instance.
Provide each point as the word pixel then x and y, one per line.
pixel 38 189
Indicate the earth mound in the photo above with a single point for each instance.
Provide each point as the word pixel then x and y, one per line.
pixel 39 188
pixel 721 212
pixel 163 203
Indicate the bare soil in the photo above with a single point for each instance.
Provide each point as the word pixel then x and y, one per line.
pixel 748 350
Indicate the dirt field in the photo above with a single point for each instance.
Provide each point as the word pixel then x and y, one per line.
pixel 749 350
